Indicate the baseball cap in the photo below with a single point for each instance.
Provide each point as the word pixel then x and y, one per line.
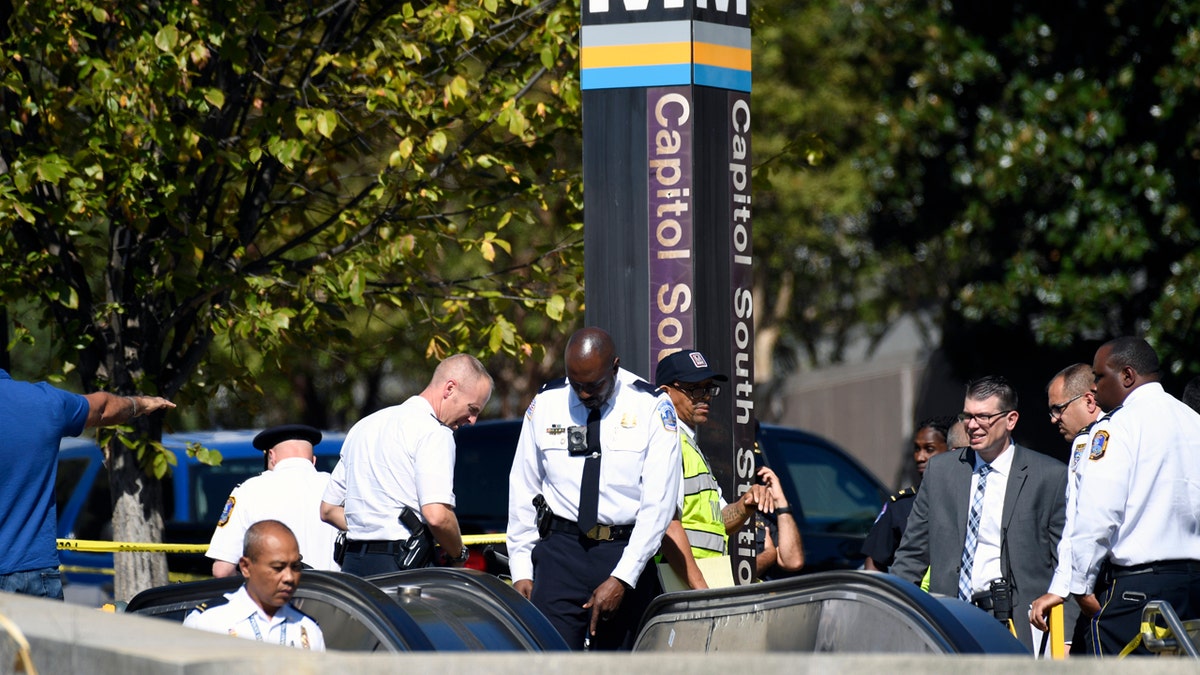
pixel 688 365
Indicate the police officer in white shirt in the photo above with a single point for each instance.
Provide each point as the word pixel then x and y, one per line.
pixel 592 580
pixel 1073 409
pixel 1138 500
pixel 289 491
pixel 260 609
pixel 397 465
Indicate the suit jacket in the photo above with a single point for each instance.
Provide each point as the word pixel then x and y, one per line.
pixel 1031 525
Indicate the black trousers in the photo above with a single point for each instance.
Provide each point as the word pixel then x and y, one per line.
pixel 566 569
pixel 1120 615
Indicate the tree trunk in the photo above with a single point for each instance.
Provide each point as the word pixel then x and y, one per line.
pixel 137 517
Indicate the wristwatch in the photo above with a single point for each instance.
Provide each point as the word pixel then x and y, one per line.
pixel 462 557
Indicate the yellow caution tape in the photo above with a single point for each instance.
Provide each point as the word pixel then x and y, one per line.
pixel 95 546
pixel 481 539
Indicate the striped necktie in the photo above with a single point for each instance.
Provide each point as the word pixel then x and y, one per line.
pixel 968 554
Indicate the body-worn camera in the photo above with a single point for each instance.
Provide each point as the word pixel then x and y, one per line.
pixel 577 441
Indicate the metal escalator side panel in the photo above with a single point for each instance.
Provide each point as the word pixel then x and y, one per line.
pixel 846 611
pixel 466 609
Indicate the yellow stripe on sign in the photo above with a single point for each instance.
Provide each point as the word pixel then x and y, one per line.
pixel 621 56
pixel 720 55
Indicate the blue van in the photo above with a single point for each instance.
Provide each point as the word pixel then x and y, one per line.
pixel 192 500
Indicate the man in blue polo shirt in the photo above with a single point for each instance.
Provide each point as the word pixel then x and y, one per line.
pixel 35 417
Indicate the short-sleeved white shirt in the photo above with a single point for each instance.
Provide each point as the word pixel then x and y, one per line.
pixel 396 457
pixel 240 616
pixel 290 493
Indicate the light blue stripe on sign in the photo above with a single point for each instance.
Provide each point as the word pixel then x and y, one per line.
pixel 721 78
pixel 637 76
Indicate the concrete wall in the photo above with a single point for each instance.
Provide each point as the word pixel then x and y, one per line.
pixel 67 639
pixel 869 403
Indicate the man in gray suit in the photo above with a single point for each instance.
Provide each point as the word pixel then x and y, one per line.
pixel 993 510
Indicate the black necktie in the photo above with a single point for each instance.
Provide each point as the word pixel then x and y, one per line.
pixel 589 487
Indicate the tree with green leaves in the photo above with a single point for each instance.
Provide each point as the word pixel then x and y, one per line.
pixel 189 192
pixel 1019 172
pixel 1040 158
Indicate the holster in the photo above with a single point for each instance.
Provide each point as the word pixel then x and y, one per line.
pixel 418 550
pixel 339 547
pixel 544 515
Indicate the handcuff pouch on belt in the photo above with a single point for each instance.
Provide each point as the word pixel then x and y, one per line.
pixel 997 599
pixel 544 516
pixel 418 550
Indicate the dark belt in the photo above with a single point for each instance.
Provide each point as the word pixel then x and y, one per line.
pixel 385 547
pixel 1158 567
pixel 599 532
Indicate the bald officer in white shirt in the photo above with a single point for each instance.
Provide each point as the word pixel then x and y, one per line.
pixel 260 609
pixel 403 456
pixel 289 491
pixel 592 580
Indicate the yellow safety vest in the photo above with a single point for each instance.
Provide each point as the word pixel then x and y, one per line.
pixel 701 504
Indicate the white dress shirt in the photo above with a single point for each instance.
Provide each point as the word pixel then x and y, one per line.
pixel 290 493
pixel 396 457
pixel 1140 502
pixel 986 566
pixel 240 616
pixel 640 470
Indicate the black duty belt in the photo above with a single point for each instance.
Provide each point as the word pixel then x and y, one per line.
pixel 385 547
pixel 599 532
pixel 1158 567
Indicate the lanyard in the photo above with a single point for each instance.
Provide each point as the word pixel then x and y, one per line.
pixel 258 634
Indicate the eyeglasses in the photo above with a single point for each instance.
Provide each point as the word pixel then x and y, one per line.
pixel 699 392
pixel 982 419
pixel 1056 411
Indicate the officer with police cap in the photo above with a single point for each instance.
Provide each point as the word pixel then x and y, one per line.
pixel 289 491
pixel 706 520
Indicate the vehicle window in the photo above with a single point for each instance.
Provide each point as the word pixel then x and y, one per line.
pixel 211 485
pixel 70 471
pixel 834 494
pixel 95 515
pixel 483 459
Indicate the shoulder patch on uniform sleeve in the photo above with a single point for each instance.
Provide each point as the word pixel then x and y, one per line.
pixel 227 511
pixel 883 510
pixel 666 412
pixel 642 385
pixel 553 384
pixel 1099 444
pixel 529 410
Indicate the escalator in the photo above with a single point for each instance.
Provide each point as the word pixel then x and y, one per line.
pixel 435 609
pixel 840 612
